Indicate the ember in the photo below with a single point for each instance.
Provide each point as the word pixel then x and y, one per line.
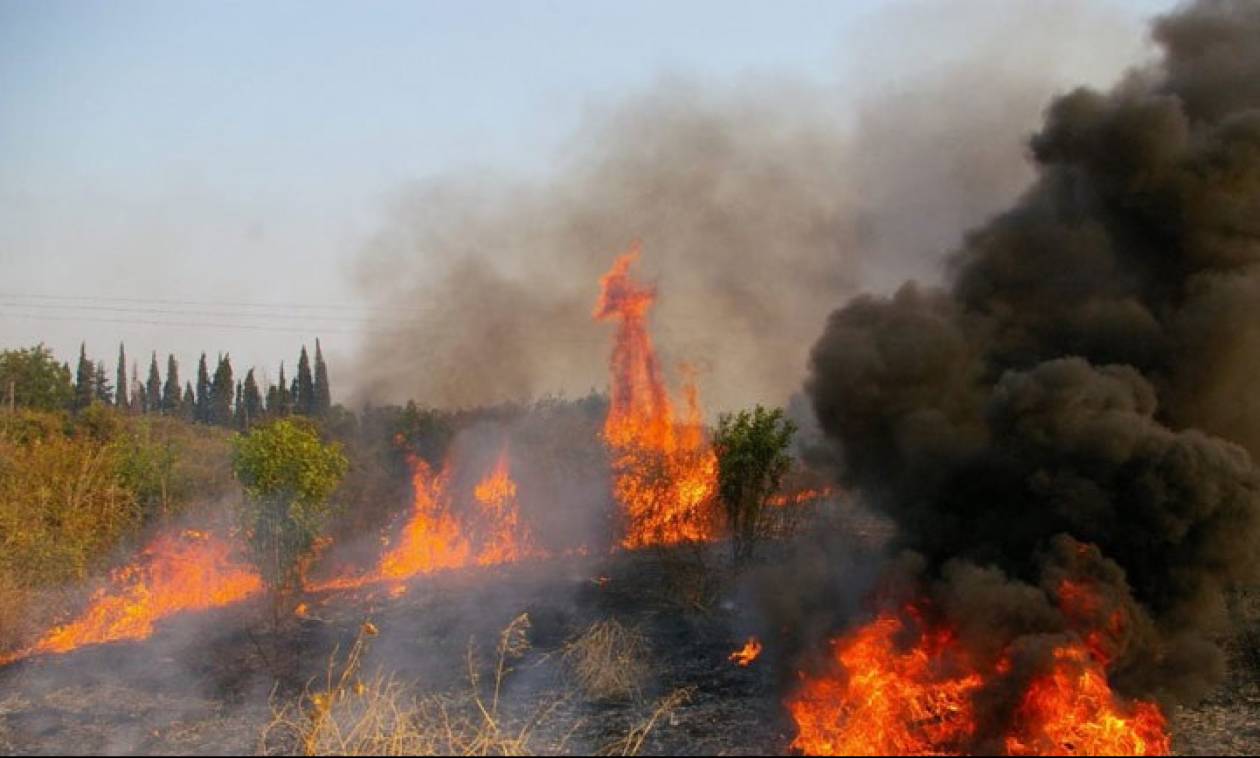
pixel 747 654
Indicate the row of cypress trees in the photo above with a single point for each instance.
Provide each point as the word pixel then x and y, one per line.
pixel 216 398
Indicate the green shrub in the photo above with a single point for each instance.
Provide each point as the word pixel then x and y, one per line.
pixel 288 473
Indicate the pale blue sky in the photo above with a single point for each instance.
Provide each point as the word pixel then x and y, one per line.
pixel 243 152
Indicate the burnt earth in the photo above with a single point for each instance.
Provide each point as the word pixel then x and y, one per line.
pixel 205 682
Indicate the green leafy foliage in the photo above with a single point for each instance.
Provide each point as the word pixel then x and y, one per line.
pixel 38 381
pixel 752 449
pixel 288 472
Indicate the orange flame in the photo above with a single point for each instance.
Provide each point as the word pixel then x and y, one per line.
pixel 1072 711
pixel 436 538
pixel 883 700
pixel 887 699
pixel 747 654
pixel 783 500
pixel 665 471
pixel 431 540
pixel 507 541
pixel 190 571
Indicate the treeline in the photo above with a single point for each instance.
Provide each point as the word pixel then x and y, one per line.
pixel 32 378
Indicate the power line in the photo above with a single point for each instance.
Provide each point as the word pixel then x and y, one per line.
pixel 182 312
pixel 214 303
pixel 196 325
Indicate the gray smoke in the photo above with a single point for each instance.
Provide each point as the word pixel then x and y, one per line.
pixel 759 204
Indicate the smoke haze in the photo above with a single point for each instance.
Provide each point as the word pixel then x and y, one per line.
pixel 760 206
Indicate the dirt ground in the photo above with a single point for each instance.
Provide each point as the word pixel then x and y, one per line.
pixel 205 684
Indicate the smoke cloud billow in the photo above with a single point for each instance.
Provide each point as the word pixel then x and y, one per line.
pixel 758 204
pixel 1079 403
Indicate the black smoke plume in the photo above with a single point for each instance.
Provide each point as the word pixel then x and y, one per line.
pixel 1080 402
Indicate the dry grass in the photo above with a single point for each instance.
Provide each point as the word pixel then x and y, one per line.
pixel 346 715
pixel 609 661
pixel 14 615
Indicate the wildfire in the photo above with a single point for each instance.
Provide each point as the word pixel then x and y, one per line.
pixel 886 698
pixel 190 571
pixel 665 471
pixel 439 536
pixel 747 654
pixel 797 498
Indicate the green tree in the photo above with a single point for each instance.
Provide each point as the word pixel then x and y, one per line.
pixel 752 450
pixel 252 400
pixel 288 472
pixel 139 403
pixel 104 392
pixel 153 387
pixel 83 376
pixel 304 388
pixel 171 392
pixel 34 379
pixel 202 413
pixel 284 401
pixel 221 393
pixel 188 405
pixel 120 380
pixel 323 394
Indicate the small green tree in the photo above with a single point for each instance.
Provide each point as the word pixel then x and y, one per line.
pixel 153 388
pixel 288 474
pixel 84 394
pixel 33 378
pixel 752 459
pixel 323 394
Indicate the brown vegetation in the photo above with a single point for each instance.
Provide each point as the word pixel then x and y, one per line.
pixel 609 661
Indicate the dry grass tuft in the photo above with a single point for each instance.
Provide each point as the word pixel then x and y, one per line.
pixel 345 715
pixel 609 661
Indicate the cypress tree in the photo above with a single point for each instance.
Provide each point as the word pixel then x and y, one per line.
pixel 238 414
pixel 304 389
pixel 153 388
pixel 83 392
pixel 139 403
pixel 104 392
pixel 171 393
pixel 221 394
pixel 283 399
pixel 323 394
pixel 252 400
pixel 202 406
pixel 120 380
pixel 188 405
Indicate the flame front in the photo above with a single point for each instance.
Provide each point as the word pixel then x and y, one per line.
pixel 190 571
pixel 438 536
pixel 665 470
pixel 747 654
pixel 506 539
pixel 886 701
pixel 883 698
pixel 431 540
